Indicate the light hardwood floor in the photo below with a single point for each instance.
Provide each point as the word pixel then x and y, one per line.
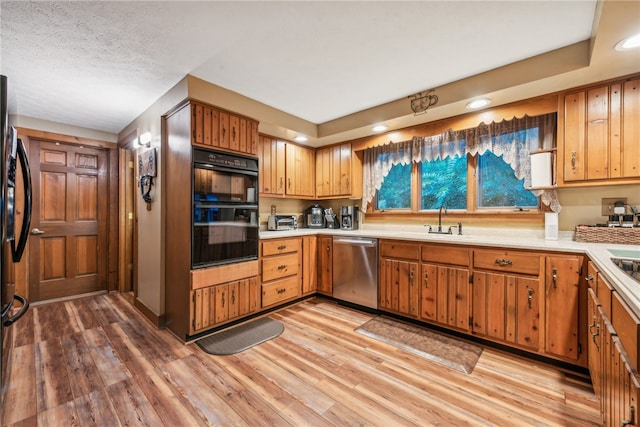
pixel 97 361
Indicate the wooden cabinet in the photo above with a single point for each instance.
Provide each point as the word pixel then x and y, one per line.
pixel 300 166
pixel 309 264
pixel 219 304
pixel 562 311
pixel 281 269
pixel 444 289
pixel 214 128
pixel 398 279
pixel 333 171
pixel 325 265
pixel 286 169
pixel 507 300
pixel 611 360
pixel 599 134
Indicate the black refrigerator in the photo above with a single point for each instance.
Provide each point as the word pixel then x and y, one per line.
pixel 12 161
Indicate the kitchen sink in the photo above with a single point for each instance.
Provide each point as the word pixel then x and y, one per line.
pixel 627 260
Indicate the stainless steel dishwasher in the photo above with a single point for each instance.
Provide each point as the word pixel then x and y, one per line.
pixel 355 270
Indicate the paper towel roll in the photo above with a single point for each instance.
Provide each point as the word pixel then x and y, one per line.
pixel 541 170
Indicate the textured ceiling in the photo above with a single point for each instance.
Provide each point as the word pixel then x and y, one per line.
pixel 100 64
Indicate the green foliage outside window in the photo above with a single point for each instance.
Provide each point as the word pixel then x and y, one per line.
pixel 499 187
pixel 395 192
pixel 444 183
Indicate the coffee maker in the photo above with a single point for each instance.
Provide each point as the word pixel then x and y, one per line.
pixel 349 217
pixel 313 217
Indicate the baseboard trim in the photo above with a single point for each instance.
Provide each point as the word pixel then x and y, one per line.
pixel 157 321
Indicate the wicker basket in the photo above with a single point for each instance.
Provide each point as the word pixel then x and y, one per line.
pixel 625 236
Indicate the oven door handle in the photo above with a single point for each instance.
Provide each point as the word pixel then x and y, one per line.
pixel 25 306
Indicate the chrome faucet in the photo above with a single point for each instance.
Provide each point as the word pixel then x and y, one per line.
pixel 440 217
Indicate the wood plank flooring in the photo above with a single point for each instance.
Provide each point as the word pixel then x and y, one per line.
pixel 97 362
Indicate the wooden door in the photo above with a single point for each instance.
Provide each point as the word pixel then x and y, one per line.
pixel 222 303
pixel 405 275
pixel 562 298
pixel 574 136
pixel 68 244
pixel 325 265
pixel 428 292
pixel 523 311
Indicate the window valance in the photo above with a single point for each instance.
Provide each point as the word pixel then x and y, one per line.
pixel 512 139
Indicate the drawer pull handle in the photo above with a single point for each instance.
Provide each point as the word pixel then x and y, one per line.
pixel 574 159
pixel 530 298
pixel 411 278
pixel 554 277
pixel 503 262
pixel 426 280
pixel 589 278
pixel 281 291
pixel 282 247
pixel 282 267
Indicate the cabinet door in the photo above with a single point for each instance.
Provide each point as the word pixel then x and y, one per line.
pixel 271 159
pixel 234 132
pixel 523 311
pixel 597 146
pixel 309 264
pixel 407 276
pixel 299 171
pixel 631 129
pixel 325 265
pixel 574 136
pixel 489 304
pixel 562 308
pixel 223 129
pixel 341 175
pixel 428 293
pixel 221 303
pixel 594 349
pixel 323 172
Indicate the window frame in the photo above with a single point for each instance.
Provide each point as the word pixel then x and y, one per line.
pixel 472 198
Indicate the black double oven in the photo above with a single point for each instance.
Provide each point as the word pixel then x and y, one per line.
pixel 225 208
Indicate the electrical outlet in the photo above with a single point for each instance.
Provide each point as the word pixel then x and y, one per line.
pixel 609 203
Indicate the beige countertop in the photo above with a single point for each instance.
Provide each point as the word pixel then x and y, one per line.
pixel 627 287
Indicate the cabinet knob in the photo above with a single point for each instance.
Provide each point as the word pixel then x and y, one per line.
pixel 530 298
pixel 554 277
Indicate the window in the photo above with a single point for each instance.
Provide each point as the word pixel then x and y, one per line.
pixel 487 166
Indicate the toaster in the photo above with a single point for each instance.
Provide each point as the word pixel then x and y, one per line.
pixel 282 222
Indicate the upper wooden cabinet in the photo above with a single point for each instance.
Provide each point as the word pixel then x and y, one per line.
pixel 286 169
pixel 214 128
pixel 598 134
pixel 333 171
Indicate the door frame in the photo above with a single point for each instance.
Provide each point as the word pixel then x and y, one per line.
pixel 112 193
pixel 127 187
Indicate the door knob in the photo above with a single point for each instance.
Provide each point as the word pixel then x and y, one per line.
pixel 37 231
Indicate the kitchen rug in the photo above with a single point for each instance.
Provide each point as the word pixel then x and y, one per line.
pixel 439 348
pixel 241 337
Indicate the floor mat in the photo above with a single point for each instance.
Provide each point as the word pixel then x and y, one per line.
pixel 241 337
pixel 439 348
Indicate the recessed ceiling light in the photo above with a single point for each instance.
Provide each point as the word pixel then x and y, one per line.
pixel 301 138
pixel 379 128
pixel 628 43
pixel 479 103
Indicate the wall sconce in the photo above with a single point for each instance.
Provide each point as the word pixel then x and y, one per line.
pixel 143 140
pixel 420 102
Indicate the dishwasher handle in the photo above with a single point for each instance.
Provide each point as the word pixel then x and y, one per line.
pixel 360 242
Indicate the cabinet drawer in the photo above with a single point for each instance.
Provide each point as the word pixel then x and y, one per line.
pixel 400 250
pixel 627 326
pixel 280 290
pixel 275 247
pixel 277 267
pixel 445 255
pixel 507 261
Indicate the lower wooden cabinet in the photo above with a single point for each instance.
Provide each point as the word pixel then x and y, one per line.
pixel 398 278
pixel 507 308
pixel 281 270
pixel 309 264
pixel 215 305
pixel 325 265
pixel 445 287
pixel 562 312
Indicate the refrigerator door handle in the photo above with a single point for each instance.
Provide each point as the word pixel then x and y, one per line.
pixel 25 306
pixel 17 251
